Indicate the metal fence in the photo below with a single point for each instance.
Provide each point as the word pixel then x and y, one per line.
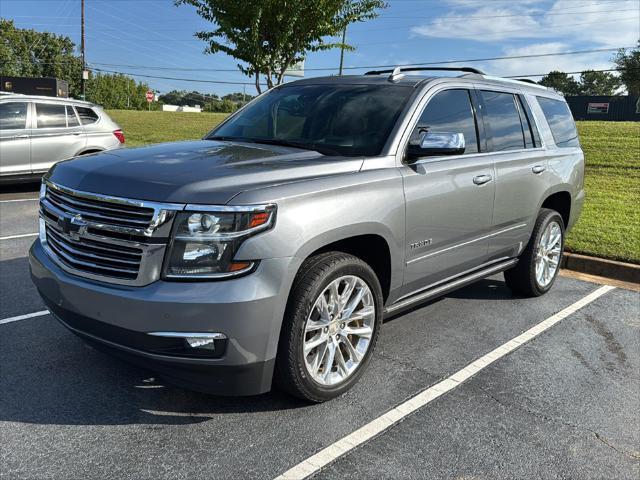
pixel 617 108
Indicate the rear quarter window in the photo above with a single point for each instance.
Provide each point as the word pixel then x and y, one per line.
pixel 87 115
pixel 560 121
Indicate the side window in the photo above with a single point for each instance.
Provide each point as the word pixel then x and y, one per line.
pixel 532 121
pixel 560 121
pixel 50 115
pixel 451 111
pixel 72 120
pixel 13 115
pixel 87 115
pixel 504 121
pixel 526 127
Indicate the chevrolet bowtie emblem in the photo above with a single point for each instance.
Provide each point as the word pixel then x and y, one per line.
pixel 73 226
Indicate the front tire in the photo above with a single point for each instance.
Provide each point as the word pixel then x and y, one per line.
pixel 539 263
pixel 330 327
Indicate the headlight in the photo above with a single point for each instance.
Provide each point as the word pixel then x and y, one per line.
pixel 204 243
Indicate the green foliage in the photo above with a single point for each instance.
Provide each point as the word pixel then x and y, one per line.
pixel 598 83
pixel 629 65
pixel 268 36
pixel 118 91
pixel 28 53
pixel 561 82
pixel 209 102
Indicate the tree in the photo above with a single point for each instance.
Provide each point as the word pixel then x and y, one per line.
pixel 561 82
pixel 628 64
pixel 269 36
pixel 598 83
pixel 117 91
pixel 28 53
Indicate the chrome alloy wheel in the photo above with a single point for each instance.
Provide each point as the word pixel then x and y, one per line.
pixel 338 330
pixel 548 254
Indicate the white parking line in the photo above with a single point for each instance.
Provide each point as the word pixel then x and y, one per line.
pixel 324 457
pixel 20 200
pixel 24 317
pixel 10 237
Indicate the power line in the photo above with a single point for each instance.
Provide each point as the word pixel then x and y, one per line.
pixel 468 60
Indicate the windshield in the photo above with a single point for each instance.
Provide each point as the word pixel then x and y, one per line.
pixel 353 120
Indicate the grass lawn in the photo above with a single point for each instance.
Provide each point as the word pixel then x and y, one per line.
pixel 142 128
pixel 610 223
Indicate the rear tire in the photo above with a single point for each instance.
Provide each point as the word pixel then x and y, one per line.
pixel 336 298
pixel 539 263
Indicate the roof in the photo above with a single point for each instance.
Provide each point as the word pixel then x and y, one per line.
pixel 404 78
pixel 44 97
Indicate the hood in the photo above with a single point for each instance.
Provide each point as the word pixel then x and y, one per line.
pixel 204 171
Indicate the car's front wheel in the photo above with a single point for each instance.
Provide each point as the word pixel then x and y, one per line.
pixel 330 327
pixel 539 263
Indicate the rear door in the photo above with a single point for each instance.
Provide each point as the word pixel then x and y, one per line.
pixel 15 141
pixel 521 170
pixel 449 199
pixel 57 135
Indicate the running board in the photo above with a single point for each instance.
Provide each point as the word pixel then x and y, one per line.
pixel 448 287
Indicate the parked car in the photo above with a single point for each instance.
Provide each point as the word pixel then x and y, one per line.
pixel 272 249
pixel 37 131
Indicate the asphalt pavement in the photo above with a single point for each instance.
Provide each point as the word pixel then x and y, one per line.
pixel 563 405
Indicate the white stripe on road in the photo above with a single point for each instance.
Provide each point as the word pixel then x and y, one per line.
pixel 10 237
pixel 324 457
pixel 24 317
pixel 20 200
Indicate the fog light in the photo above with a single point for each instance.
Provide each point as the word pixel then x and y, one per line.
pixel 201 342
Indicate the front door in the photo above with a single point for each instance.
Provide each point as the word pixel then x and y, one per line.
pixel 15 142
pixel 449 199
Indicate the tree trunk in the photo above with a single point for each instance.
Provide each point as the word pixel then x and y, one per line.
pixel 258 82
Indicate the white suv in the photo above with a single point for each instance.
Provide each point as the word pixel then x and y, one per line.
pixel 36 132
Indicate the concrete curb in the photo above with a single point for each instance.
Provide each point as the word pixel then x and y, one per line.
pixel 625 272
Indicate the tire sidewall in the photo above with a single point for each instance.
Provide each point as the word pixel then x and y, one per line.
pixel 363 271
pixel 550 216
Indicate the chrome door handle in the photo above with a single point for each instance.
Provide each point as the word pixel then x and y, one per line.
pixel 482 179
pixel 538 169
pixel 20 136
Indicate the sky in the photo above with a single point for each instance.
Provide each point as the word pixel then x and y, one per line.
pixel 155 38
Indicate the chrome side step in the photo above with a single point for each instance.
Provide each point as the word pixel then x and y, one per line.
pixel 449 286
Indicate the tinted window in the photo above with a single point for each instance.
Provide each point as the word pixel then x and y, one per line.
pixel 451 111
pixel 13 115
pixel 72 120
pixel 526 127
pixel 332 119
pixel 87 115
pixel 532 121
pixel 504 121
pixel 560 122
pixel 50 115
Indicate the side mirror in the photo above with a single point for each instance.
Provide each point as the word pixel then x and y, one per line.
pixel 435 143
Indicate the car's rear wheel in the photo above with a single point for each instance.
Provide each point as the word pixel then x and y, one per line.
pixel 539 263
pixel 330 327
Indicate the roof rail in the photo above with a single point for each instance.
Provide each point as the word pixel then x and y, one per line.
pixel 397 70
pixel 527 80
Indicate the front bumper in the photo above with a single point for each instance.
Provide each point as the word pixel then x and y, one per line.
pixel 116 318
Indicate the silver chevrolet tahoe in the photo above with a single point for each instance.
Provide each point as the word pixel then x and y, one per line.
pixel 270 251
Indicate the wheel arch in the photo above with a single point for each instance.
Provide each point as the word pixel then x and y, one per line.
pixel 560 201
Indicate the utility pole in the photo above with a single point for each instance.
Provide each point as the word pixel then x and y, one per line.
pixel 84 65
pixel 344 35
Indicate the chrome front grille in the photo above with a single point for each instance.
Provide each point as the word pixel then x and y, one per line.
pixel 111 239
pixel 96 257
pixel 106 213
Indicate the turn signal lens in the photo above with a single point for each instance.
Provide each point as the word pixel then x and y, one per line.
pixel 258 219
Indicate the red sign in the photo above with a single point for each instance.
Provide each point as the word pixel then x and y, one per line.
pixel 150 96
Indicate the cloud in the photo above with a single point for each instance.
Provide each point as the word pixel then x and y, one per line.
pixel 605 24
pixel 541 65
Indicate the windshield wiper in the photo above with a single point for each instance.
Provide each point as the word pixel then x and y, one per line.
pixel 289 143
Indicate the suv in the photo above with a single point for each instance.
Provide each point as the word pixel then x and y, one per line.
pixel 36 132
pixel 272 249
